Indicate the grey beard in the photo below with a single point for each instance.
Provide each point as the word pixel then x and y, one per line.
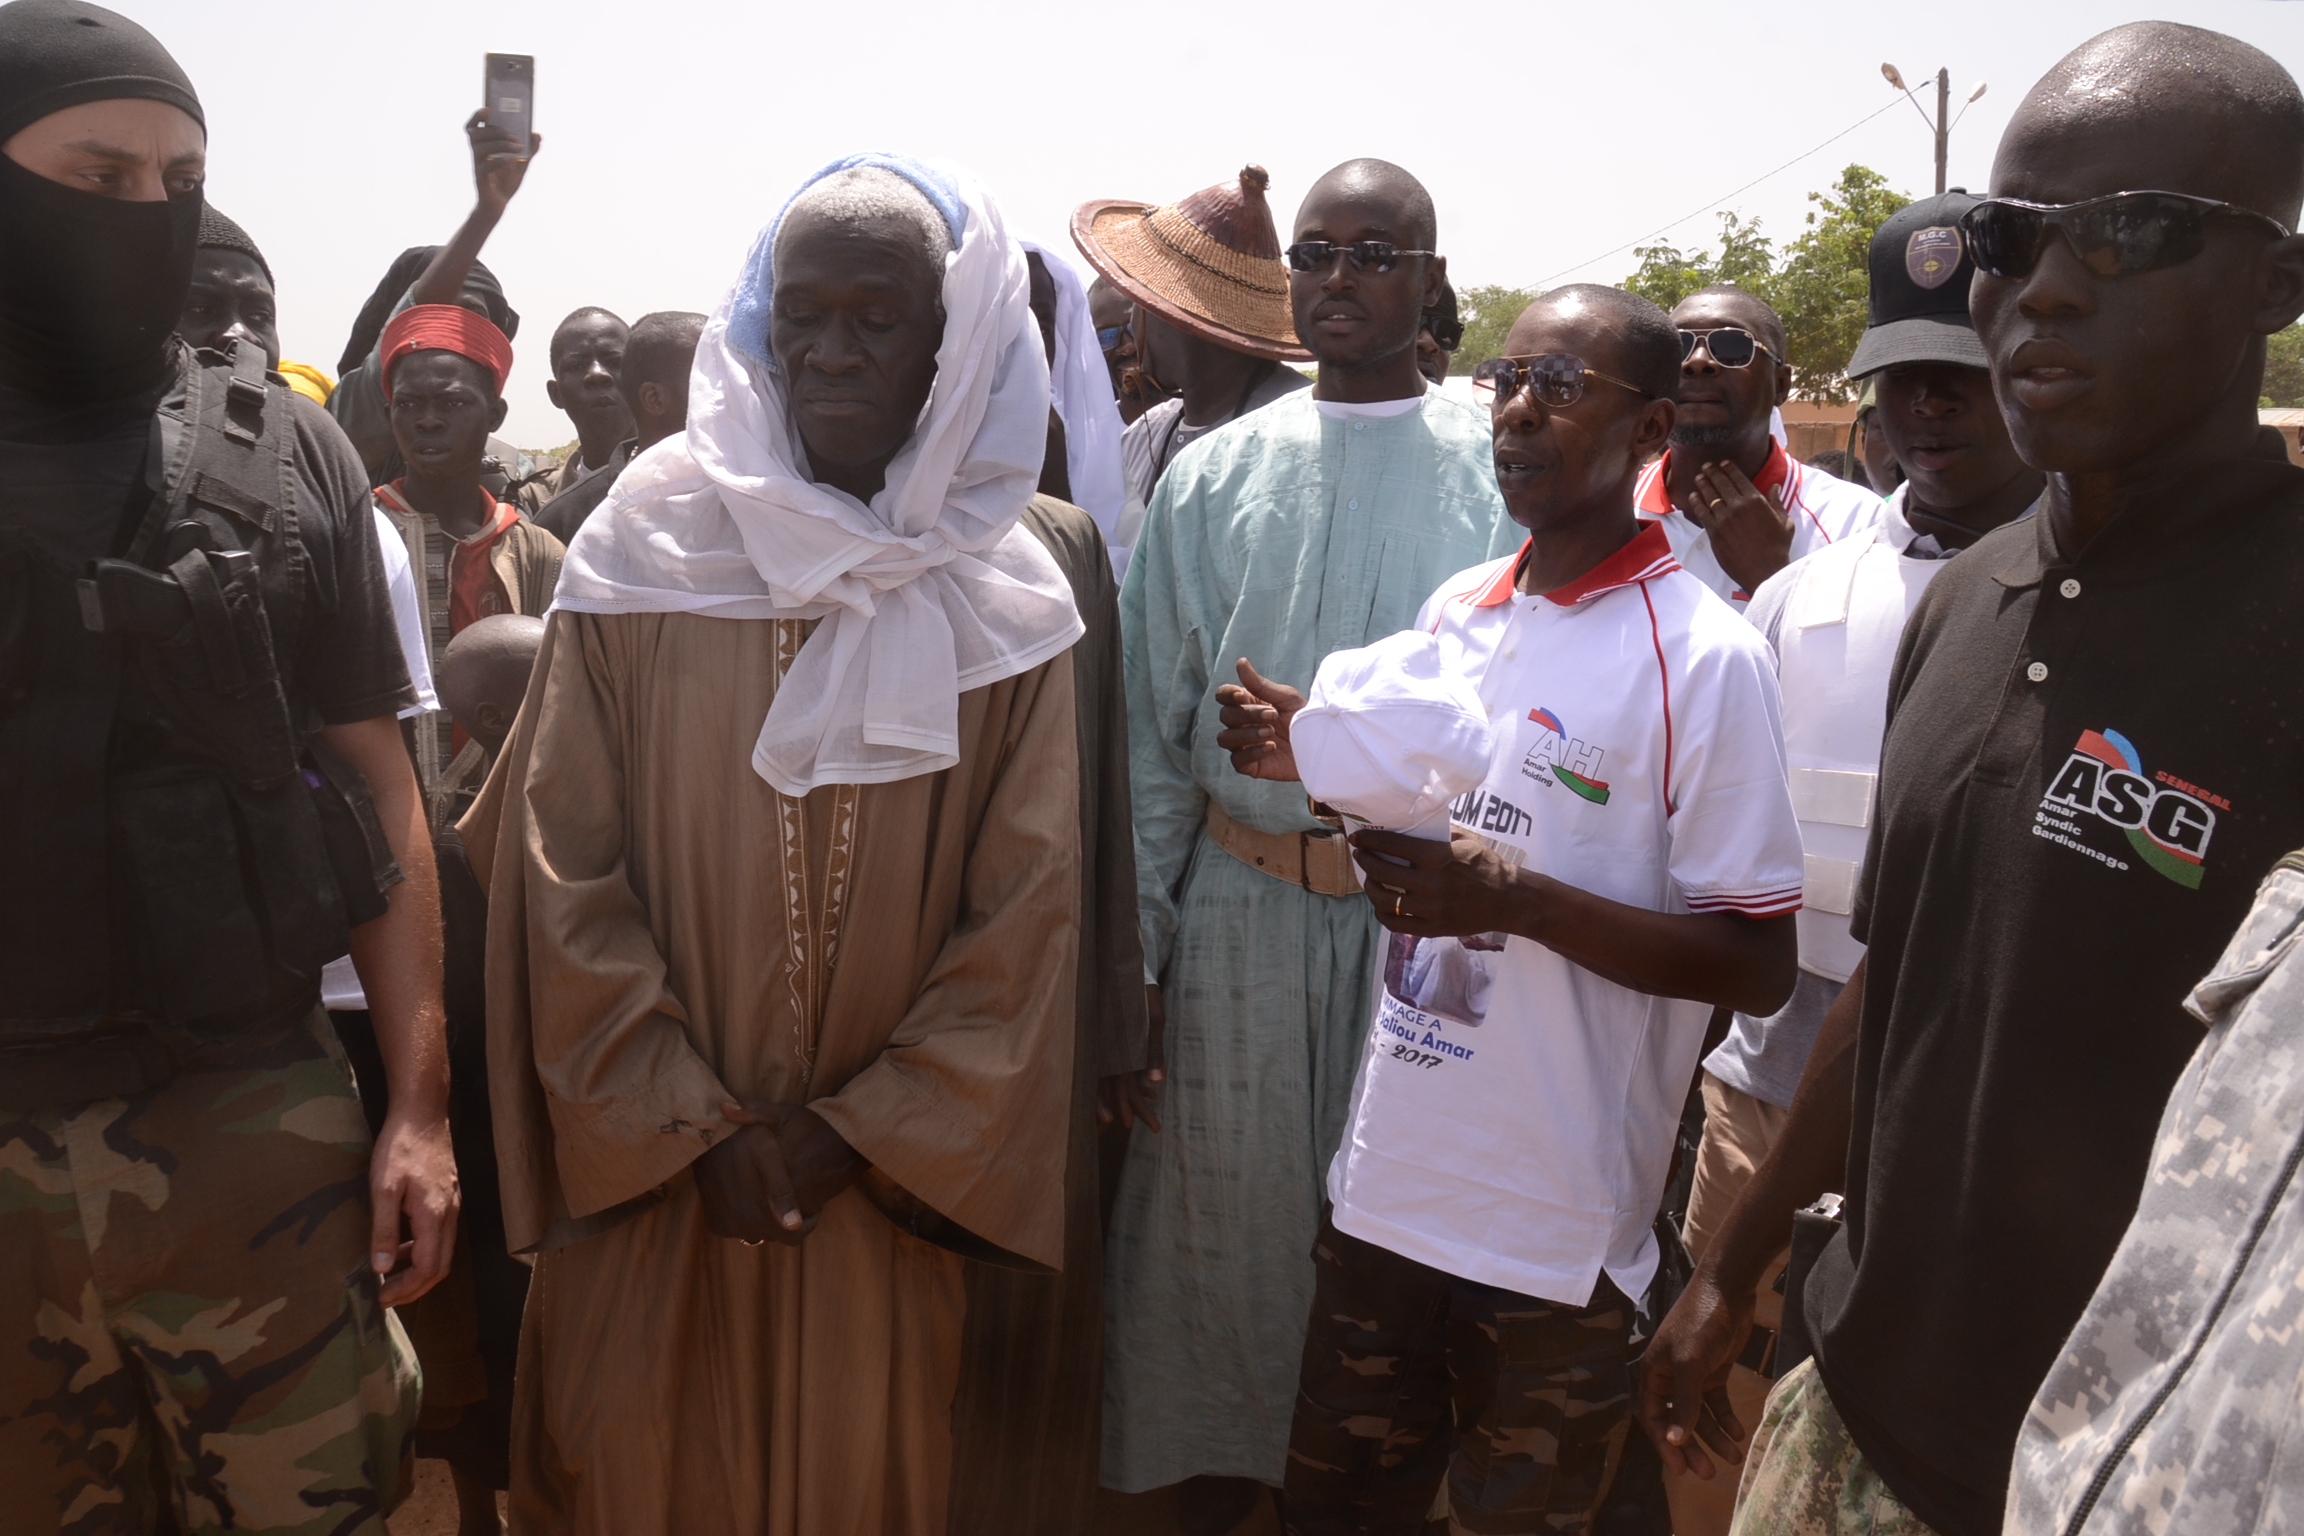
pixel 1703 437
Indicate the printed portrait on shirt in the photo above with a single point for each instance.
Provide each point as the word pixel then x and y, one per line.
pixel 1446 978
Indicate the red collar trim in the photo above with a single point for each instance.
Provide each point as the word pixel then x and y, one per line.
pixel 501 516
pixel 1644 557
pixel 1499 586
pixel 1654 502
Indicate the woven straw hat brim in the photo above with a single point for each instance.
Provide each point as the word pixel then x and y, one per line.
pixel 1158 259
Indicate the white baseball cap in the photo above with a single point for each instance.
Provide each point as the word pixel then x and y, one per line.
pixel 1390 737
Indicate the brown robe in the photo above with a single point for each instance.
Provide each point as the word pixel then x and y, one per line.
pixel 666 934
pixel 1026 1424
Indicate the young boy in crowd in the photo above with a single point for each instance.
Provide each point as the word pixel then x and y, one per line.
pixel 1630 863
pixel 587 358
pixel 653 380
pixel 443 376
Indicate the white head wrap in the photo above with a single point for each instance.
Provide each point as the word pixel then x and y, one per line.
pixel 930 591
pixel 1389 736
pixel 1082 384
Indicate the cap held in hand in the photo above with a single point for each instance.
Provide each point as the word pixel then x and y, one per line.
pixel 1390 737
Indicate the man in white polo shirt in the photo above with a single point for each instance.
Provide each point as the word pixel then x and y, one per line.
pixel 1735 505
pixel 1834 621
pixel 1630 862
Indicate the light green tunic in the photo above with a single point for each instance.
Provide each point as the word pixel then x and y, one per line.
pixel 1282 537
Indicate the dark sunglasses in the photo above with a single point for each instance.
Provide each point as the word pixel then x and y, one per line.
pixel 1731 346
pixel 2115 234
pixel 1319 255
pixel 1448 335
pixel 1555 379
pixel 1110 336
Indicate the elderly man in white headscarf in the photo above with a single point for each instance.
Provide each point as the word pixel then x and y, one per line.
pixel 784 895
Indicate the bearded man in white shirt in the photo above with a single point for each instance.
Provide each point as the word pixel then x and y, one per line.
pixel 1735 505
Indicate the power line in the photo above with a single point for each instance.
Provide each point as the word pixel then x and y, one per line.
pixel 1716 202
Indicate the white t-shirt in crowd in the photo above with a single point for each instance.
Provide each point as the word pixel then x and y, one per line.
pixel 1513 1117
pixel 1824 509
pixel 339 983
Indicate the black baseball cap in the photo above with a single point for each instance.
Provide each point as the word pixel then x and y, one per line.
pixel 1920 274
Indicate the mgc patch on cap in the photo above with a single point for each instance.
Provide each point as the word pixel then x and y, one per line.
pixel 1932 255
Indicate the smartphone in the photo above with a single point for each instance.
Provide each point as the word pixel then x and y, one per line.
pixel 509 94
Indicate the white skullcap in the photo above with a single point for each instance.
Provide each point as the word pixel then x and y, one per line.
pixel 1390 737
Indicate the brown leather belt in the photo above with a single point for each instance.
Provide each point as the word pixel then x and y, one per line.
pixel 1318 861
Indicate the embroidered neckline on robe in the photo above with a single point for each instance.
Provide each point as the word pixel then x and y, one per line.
pixel 814 924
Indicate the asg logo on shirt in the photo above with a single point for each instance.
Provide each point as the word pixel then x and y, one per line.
pixel 1559 758
pixel 2167 820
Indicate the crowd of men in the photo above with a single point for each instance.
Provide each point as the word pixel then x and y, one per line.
pixel 994 889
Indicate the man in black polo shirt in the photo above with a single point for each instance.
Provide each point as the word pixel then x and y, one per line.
pixel 2095 749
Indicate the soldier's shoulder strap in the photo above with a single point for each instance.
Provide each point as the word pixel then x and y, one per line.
pixel 227 442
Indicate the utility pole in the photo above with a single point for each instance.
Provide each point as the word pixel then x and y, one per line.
pixel 1943 126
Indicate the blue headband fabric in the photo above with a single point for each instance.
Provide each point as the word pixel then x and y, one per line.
pixel 749 306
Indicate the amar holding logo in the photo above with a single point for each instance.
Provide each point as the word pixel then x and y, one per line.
pixel 1559 758
pixel 2167 820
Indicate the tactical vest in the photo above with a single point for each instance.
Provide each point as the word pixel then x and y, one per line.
pixel 1835 650
pixel 185 855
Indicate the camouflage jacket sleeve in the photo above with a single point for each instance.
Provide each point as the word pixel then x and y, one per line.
pixel 2169 1407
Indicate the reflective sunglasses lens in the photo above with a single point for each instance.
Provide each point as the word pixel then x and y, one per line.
pixel 1688 340
pixel 2141 234
pixel 1310 255
pixel 2005 240
pixel 1500 374
pixel 1559 378
pixel 1375 255
pixel 1731 349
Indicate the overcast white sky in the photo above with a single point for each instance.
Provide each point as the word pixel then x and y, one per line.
pixel 673 128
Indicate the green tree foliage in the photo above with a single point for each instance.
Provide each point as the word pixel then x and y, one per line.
pixel 1821 287
pixel 1667 274
pixel 2284 368
pixel 1487 312
pixel 1818 284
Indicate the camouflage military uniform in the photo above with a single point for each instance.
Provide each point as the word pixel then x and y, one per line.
pixel 1398 1354
pixel 2174 1405
pixel 142 1365
pixel 1804 1476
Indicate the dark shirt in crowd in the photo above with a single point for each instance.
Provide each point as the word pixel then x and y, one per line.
pixel 2090 763
pixel 70 478
pixel 566 512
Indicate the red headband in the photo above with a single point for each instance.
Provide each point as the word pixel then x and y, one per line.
pixel 445 328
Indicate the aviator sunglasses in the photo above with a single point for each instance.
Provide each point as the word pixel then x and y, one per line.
pixel 1367 255
pixel 1555 379
pixel 2119 233
pixel 1731 346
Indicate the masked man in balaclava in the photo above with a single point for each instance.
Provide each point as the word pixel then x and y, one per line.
pixel 204 798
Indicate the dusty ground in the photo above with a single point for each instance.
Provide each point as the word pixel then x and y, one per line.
pixel 431 1511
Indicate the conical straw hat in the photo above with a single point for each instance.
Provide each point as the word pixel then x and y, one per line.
pixel 1210 264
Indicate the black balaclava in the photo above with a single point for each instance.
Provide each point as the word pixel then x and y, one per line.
pixel 90 287
pixel 409 265
pixel 220 233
